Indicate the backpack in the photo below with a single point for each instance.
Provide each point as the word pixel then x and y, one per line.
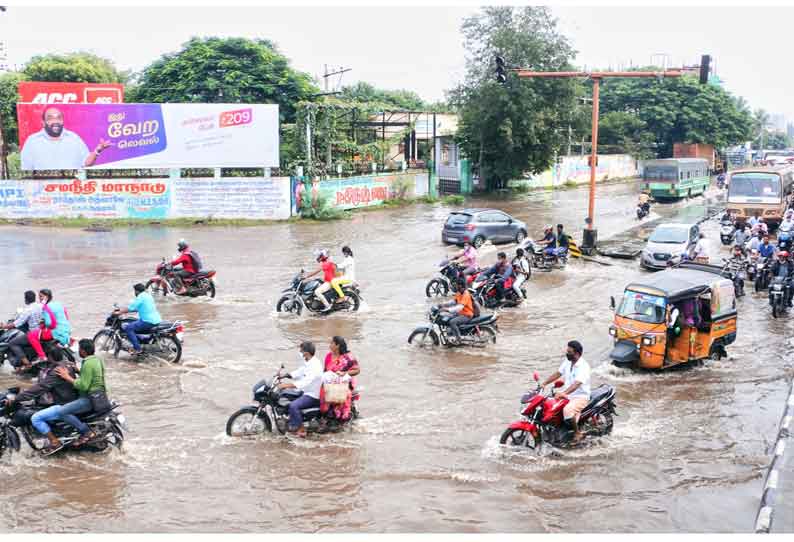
pixel 197 263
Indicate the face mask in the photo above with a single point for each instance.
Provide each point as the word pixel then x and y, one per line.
pixel 569 357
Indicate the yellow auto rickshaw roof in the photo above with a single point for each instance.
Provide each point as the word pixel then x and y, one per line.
pixel 686 280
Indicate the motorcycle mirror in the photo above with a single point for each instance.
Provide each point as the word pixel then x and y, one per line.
pixel 559 384
pixel 536 376
pixel 612 302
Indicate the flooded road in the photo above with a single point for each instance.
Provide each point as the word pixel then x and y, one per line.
pixel 687 452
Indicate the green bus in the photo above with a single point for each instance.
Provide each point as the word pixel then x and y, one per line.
pixel 673 178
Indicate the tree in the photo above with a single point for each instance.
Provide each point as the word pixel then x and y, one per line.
pixel 668 111
pixel 234 70
pixel 774 141
pixel 519 126
pixel 405 100
pixel 620 132
pixel 8 107
pixel 73 68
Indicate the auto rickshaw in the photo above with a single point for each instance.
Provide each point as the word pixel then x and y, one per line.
pixel 679 315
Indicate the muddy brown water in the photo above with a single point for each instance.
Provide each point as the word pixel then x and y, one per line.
pixel 687 452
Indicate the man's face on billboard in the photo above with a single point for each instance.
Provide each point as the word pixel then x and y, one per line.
pixel 53 122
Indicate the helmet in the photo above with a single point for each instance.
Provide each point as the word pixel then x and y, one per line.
pixel 782 254
pixel 181 245
pixel 548 227
pixel 321 255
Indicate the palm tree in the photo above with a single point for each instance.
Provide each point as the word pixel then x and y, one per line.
pixel 761 121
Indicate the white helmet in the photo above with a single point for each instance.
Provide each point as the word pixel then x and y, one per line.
pixel 321 254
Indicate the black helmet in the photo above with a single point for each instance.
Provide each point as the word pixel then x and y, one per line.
pixel 181 245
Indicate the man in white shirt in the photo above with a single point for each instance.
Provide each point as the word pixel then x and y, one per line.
pixel 308 378
pixel 575 372
pixel 55 147
pixel 700 252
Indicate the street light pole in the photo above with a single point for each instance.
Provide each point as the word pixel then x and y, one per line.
pixel 590 233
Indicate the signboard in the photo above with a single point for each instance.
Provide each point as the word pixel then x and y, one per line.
pixel 243 197
pixel 64 93
pixel 108 136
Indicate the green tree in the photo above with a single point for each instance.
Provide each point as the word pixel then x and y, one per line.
pixel 620 132
pixel 8 107
pixel 394 99
pixel 73 68
pixel 670 111
pixel 519 126
pixel 774 141
pixel 234 70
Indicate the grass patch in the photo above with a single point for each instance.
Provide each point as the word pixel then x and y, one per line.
pixel 453 199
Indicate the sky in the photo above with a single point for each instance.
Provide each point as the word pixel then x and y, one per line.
pixel 420 48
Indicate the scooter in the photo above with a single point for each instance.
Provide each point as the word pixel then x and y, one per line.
pixel 542 418
pixel 643 210
pixel 727 231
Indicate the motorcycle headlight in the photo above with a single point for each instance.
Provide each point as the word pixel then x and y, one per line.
pixel 778 286
pixel 613 331
pixel 122 421
pixel 649 340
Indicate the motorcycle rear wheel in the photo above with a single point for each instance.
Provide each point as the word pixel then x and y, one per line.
pixel 487 335
pixel 106 341
pixel 601 423
pixel 169 349
pixel 246 423
pixel 519 437
pixel 353 303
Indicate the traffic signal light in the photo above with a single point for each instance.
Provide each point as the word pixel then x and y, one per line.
pixel 705 60
pixel 501 74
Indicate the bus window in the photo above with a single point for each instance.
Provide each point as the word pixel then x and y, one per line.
pixel 755 185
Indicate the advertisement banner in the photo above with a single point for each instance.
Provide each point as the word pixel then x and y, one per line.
pixel 107 136
pixel 354 192
pixel 245 197
pixel 39 92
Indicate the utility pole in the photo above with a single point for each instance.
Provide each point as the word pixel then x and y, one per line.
pixel 3 147
pixel 590 233
pixel 328 74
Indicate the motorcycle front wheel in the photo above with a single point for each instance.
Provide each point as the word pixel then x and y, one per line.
pixel 289 303
pixel 436 288
pixel 105 341
pixel 519 437
pixel 422 338
pixel 9 440
pixel 211 290
pixel 246 423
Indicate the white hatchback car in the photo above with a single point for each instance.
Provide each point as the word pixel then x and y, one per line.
pixel 667 243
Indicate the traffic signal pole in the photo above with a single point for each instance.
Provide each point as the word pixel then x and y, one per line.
pixel 590 234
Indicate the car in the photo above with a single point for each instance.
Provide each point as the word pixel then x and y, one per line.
pixel 479 225
pixel 667 243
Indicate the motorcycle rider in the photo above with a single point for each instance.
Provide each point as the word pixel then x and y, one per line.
pixel 328 270
pixel 348 268
pixel 522 271
pixel 190 262
pixel 643 204
pixel 784 268
pixel 91 379
pixel 148 317
pixel 563 242
pixel 28 319
pixel 756 240
pixel 50 389
pixel 54 324
pixel 754 220
pixel 462 307
pixel 700 252
pixel 308 378
pixel 468 258
pixel 575 372
pixel 766 249
pixel 504 271
pixel 740 237
pixel 549 241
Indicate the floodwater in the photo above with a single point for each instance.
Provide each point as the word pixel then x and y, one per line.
pixel 687 452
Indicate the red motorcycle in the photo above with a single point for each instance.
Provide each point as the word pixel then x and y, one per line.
pixel 486 293
pixel 165 281
pixel 543 420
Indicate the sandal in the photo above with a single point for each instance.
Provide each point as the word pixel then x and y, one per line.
pixel 84 439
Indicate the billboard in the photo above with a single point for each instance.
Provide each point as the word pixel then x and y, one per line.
pixel 38 92
pixel 121 136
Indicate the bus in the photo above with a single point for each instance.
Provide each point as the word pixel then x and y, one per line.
pixel 760 190
pixel 674 178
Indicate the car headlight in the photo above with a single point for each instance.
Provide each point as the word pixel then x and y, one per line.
pixel 649 340
pixel 613 331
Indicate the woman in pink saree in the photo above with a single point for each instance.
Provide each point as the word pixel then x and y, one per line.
pixel 340 366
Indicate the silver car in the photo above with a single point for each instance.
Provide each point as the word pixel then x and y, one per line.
pixel 478 225
pixel 667 243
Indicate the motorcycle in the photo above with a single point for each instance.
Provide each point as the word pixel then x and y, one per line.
pixel 727 231
pixel 301 294
pixel 542 418
pixel 486 293
pixel 539 258
pixel 441 285
pixel 779 294
pixel 763 270
pixel 643 210
pixel 164 341
pixel 272 407
pixel 109 428
pixel 721 181
pixel 5 350
pixel 784 237
pixel 164 282
pixel 480 331
pixel 735 269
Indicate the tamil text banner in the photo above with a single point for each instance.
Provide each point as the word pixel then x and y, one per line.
pixel 121 136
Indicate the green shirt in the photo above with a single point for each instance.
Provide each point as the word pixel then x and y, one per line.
pixel 92 376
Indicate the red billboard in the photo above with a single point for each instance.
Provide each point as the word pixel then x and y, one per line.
pixel 70 93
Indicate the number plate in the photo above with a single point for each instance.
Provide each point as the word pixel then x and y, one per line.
pixel 452 239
